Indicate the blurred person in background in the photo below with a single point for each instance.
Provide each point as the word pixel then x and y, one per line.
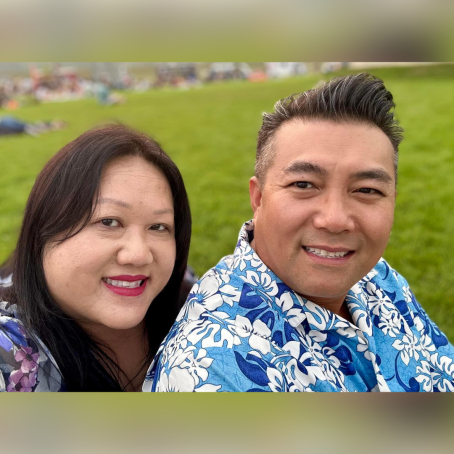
pixel 12 126
pixel 97 270
pixel 105 96
pixel 306 303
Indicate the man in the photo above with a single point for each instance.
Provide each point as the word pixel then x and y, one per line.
pixel 306 303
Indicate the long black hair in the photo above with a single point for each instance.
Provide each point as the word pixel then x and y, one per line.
pixel 62 202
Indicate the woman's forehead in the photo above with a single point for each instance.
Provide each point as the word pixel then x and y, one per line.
pixel 130 164
pixel 132 181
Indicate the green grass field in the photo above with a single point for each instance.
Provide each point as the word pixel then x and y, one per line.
pixel 211 132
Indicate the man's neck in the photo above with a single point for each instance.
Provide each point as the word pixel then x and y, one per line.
pixel 337 306
pixel 334 305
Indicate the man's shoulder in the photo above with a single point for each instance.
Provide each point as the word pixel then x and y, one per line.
pixel 395 292
pixel 387 285
pixel 217 292
pixel 200 353
pixel 387 278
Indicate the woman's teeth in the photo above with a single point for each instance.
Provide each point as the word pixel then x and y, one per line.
pixel 326 254
pixel 133 284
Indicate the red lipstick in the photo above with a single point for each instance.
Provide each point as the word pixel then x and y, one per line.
pixel 125 291
pixel 127 277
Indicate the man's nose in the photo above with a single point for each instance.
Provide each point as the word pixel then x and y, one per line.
pixel 135 250
pixel 334 214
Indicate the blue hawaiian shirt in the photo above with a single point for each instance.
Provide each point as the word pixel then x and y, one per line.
pixel 243 329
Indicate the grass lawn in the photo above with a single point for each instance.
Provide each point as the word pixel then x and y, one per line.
pixel 211 133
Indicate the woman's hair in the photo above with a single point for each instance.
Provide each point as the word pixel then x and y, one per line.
pixel 62 202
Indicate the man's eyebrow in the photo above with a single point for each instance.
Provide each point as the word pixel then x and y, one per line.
pixel 305 167
pixel 372 174
pixel 310 167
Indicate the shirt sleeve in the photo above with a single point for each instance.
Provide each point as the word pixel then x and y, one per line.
pixel 203 353
pixel 214 370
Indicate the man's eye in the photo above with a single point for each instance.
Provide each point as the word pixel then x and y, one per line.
pixel 110 222
pixel 368 191
pixel 303 184
pixel 158 227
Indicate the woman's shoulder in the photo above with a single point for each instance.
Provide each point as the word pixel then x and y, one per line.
pixel 25 362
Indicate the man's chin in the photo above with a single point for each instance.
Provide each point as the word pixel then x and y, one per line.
pixel 323 295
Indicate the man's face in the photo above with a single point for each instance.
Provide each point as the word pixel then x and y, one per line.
pixel 324 213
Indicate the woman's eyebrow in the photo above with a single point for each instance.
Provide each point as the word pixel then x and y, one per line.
pixel 163 211
pixel 115 202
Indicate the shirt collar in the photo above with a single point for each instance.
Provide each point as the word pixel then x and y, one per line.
pixel 302 308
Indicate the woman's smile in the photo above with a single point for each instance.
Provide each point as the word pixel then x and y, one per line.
pixel 126 287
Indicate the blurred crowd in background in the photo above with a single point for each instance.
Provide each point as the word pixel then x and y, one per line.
pixel 28 83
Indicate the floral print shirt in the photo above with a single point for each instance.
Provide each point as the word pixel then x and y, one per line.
pixel 243 329
pixel 25 366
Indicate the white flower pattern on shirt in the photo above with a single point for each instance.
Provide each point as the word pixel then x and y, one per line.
pixel 243 329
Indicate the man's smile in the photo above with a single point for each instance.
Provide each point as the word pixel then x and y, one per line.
pixel 328 255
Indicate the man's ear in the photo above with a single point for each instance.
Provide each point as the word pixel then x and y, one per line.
pixel 255 194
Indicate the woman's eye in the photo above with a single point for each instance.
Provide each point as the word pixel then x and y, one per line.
pixel 303 185
pixel 110 222
pixel 158 227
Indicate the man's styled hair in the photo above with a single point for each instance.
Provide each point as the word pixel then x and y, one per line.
pixel 360 98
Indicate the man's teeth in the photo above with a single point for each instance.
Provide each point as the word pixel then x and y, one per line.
pixel 133 284
pixel 326 254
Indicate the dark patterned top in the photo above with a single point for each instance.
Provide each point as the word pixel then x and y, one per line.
pixel 25 365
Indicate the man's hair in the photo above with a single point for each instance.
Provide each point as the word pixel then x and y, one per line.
pixel 360 98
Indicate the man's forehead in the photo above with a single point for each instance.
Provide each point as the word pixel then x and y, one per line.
pixel 328 143
pixel 328 130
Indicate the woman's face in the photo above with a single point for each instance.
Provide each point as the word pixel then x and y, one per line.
pixel 109 273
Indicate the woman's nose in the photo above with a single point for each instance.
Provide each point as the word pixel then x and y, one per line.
pixel 135 250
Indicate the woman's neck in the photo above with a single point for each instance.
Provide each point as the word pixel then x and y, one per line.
pixel 129 349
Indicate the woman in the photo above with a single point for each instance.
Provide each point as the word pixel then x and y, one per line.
pixel 98 267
